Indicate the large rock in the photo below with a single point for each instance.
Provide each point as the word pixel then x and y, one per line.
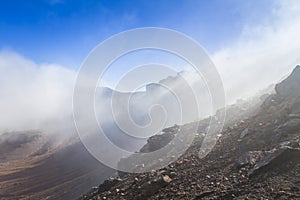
pixel 291 127
pixel 290 86
pixel 276 158
pixel 108 184
pixel 286 101
pixel 159 141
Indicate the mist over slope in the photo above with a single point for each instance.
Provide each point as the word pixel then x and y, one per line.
pixel 35 165
pixel 34 96
pixel 39 96
pixel 256 156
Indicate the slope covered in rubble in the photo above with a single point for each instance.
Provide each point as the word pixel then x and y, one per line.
pixel 257 156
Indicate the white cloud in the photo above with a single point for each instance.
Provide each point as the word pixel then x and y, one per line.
pixel 38 96
pixel 263 54
pixel 32 96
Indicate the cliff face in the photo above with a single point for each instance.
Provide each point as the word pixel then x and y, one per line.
pixel 288 92
pixel 254 158
pixel 290 87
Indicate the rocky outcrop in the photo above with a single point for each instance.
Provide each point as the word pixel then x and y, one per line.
pixel 289 88
pixel 282 157
pixel 158 141
pixel 279 157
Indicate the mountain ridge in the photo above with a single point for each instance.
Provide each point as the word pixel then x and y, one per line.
pixel 264 146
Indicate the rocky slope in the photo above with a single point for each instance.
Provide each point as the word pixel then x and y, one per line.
pixel 256 157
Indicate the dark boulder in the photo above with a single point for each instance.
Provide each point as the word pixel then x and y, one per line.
pixel 282 158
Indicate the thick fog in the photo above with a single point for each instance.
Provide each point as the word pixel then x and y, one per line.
pixel 263 54
pixel 39 95
pixel 34 96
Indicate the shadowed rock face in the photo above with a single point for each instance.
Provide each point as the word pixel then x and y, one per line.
pixel 285 102
pixel 290 87
pixel 275 158
pixel 158 141
pixel 264 163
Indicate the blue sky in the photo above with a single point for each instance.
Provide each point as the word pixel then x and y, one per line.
pixel 253 44
pixel 64 31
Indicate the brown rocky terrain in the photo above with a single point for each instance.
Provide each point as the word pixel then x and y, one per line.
pixel 257 156
pixel 35 166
